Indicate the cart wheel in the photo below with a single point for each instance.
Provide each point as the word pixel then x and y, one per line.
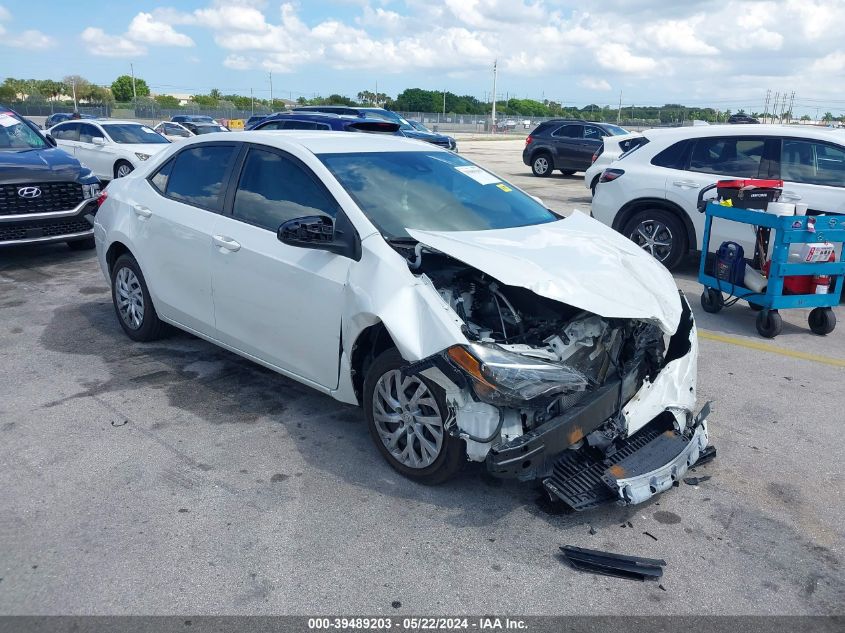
pixel 711 300
pixel 769 323
pixel 822 321
pixel 755 306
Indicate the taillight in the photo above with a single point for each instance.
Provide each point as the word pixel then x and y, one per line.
pixel 102 198
pixel 595 156
pixel 528 140
pixel 609 175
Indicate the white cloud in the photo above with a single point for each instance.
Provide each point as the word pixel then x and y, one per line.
pixel 680 36
pixel 104 45
pixel 29 39
pixel 238 62
pixel 618 58
pixel 144 28
pixel 594 84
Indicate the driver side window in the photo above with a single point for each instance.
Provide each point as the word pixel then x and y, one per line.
pixel 274 188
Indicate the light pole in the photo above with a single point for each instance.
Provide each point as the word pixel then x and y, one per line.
pixel 134 92
pixel 495 62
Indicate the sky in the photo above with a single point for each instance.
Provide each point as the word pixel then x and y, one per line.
pixel 724 53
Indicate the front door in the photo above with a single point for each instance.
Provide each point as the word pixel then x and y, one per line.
pixel 813 173
pixel 279 303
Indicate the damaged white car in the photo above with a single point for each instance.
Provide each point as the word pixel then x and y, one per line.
pixel 468 320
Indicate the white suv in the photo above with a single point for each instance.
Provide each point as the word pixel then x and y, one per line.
pixel 613 148
pixel 650 195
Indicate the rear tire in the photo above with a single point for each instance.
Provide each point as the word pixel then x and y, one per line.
pixel 82 245
pixel 542 165
pixel 659 232
pixel 567 172
pixel 132 303
pixel 398 416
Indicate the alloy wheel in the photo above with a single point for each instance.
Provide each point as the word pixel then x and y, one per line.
pixel 655 237
pixel 129 297
pixel 541 164
pixel 123 170
pixel 408 419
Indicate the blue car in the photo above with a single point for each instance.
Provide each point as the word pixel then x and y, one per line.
pixel 405 127
pixel 324 121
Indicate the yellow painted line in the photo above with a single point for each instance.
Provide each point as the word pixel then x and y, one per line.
pixel 772 349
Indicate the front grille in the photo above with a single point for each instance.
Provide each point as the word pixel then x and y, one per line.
pixel 55 196
pixel 46 228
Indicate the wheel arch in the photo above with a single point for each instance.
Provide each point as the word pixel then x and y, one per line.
pixel 640 204
pixel 117 163
pixel 370 342
pixel 114 251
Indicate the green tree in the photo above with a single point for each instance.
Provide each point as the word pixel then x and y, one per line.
pixel 828 116
pixel 167 101
pixel 122 88
pixel 805 117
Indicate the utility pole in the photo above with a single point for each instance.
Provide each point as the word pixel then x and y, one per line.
pixel 444 103
pixel 134 92
pixel 271 89
pixel 775 107
pixel 75 107
pixel 495 62
pixel 791 102
pixel 251 103
pixel 766 104
pixel 619 111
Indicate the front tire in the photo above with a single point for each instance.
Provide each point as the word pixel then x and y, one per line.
pixel 132 303
pixel 122 168
pixel 406 418
pixel 542 165
pixel 660 233
pixel 567 172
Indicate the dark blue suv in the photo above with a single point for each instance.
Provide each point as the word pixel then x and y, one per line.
pixel 324 121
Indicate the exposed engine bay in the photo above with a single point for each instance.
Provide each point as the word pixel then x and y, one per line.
pixel 543 383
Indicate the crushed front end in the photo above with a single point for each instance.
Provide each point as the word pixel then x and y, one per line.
pixel 598 409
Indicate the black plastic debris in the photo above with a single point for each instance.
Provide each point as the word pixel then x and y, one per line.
pixel 592 530
pixel 650 535
pixel 694 481
pixel 706 456
pixel 610 564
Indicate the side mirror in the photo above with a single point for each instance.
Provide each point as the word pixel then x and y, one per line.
pixel 51 140
pixel 98 140
pixel 320 232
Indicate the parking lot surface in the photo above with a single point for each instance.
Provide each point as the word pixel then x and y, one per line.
pixel 175 477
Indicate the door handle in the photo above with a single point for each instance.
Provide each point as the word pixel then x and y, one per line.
pixel 789 195
pixel 226 242
pixel 141 211
pixel 686 183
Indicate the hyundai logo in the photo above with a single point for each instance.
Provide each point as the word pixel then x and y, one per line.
pixel 29 192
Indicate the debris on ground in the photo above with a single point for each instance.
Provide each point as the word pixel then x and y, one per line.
pixel 592 530
pixel 610 564
pixel 694 481
pixel 706 456
pixel 650 535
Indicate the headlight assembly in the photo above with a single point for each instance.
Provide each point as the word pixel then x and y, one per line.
pixel 90 191
pixel 501 376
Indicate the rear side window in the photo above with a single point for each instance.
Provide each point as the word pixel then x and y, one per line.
pixel 197 175
pixel 569 131
pixel 594 133
pixel 160 178
pixel 67 132
pixel 274 188
pixel 813 163
pixel 729 156
pixel 673 157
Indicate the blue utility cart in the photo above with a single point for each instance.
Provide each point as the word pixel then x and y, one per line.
pixel 787 230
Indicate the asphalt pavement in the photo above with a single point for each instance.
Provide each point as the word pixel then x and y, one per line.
pixel 175 477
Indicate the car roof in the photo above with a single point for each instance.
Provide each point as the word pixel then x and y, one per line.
pixel 324 142
pixel 699 131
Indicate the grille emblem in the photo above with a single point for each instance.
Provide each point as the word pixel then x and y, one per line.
pixel 29 192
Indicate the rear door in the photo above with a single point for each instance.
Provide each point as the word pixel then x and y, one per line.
pixel 66 136
pixel 173 230
pixel 95 157
pixel 567 141
pixel 278 303
pixel 592 141
pixel 718 158
pixel 813 173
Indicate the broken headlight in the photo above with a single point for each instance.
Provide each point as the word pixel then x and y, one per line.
pixel 500 376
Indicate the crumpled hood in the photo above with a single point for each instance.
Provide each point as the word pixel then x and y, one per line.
pixel 577 261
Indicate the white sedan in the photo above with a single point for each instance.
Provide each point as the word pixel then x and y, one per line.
pixel 109 148
pixel 467 319
pixel 175 132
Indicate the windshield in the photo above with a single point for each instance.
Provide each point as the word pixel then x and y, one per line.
pixel 419 126
pixel 15 134
pixel 615 130
pixel 130 133
pixel 208 129
pixel 437 191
